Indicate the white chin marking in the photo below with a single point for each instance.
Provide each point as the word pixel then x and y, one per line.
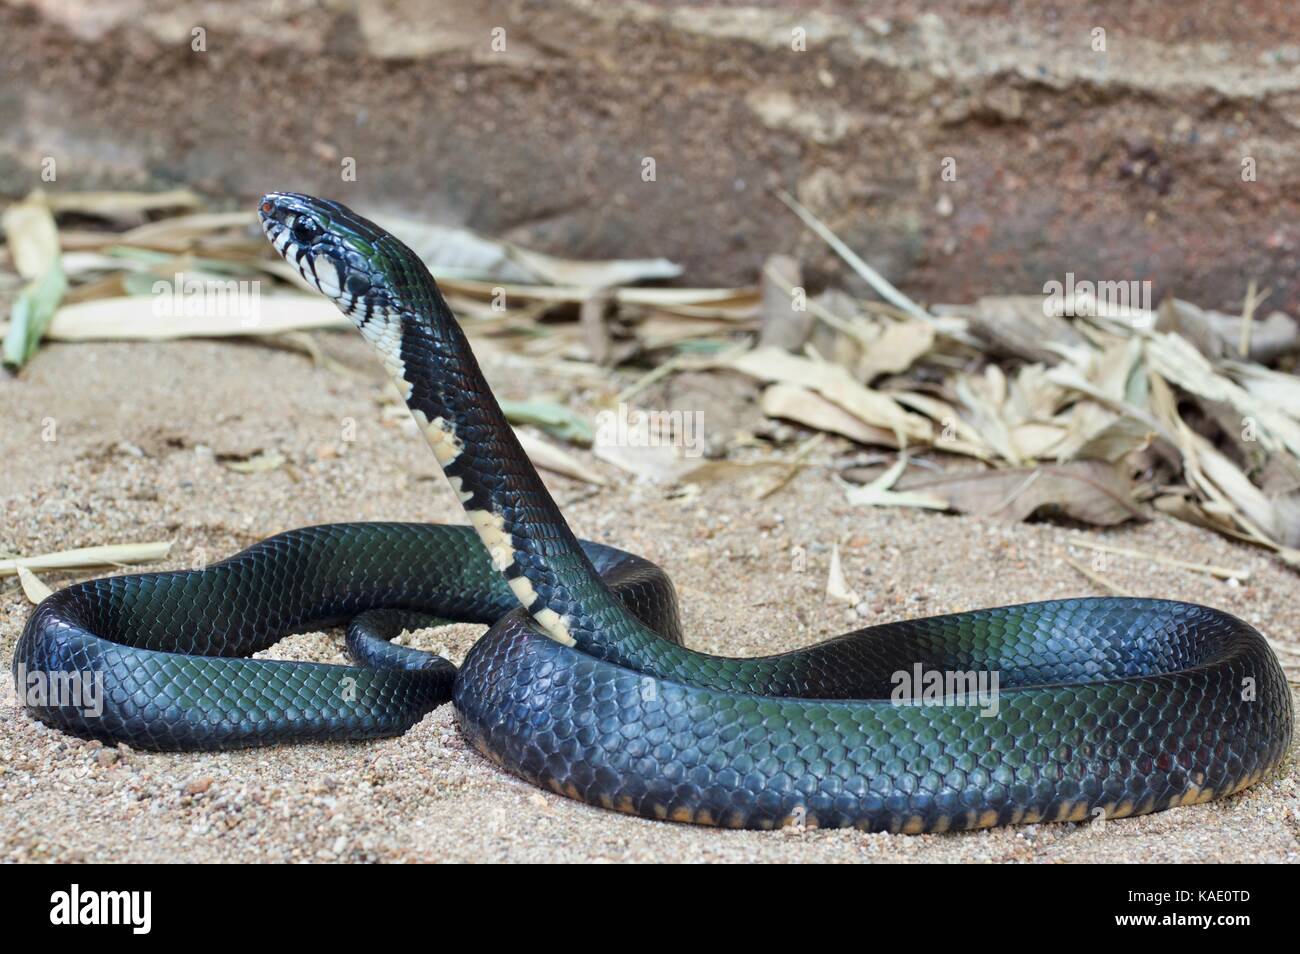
pixel 327 275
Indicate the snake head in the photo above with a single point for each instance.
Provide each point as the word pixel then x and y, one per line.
pixel 337 252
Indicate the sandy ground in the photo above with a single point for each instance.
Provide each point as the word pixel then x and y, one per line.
pixel 141 432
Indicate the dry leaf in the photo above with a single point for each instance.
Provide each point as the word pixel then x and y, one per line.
pixel 1019 325
pixel 812 410
pixel 837 588
pixel 179 233
pixel 738 303
pixel 955 435
pixel 1090 491
pixel 1213 474
pixel 33 588
pixel 897 348
pixel 1177 362
pixel 836 385
pixel 1217 335
pixel 32 236
pixel 604 274
pixel 1096 433
pixel 984 397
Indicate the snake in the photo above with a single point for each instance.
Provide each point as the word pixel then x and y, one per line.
pixel 1062 710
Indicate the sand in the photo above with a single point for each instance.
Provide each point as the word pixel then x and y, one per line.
pixel 141 435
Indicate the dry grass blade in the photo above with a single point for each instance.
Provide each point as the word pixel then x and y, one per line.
pixel 33 240
pixel 796 464
pixel 33 587
pixel 89 558
pixel 180 233
pixel 699 302
pixel 872 277
pixel 133 318
pixel 1221 572
pixel 1248 318
pixel 117 205
pixel 878 492
pixel 837 587
pixel 1097 578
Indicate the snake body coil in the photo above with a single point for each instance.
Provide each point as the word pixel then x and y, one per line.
pixel 581 684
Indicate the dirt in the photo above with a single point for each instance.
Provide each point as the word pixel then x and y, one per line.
pixel 964 149
pixel 141 435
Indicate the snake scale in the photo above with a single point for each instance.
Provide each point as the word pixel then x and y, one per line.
pixel 581 683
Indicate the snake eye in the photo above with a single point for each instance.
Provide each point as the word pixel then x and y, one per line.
pixel 357 284
pixel 305 230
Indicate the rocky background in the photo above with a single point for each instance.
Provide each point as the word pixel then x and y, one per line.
pixel 1167 156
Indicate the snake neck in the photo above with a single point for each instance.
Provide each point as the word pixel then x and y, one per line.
pixel 526 536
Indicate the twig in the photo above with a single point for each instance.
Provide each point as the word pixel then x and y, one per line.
pixel 1221 572
pixel 681 362
pixel 843 325
pixel 1096 578
pixel 796 464
pixel 671 366
pixel 1017 490
pixel 1247 318
pixel 872 277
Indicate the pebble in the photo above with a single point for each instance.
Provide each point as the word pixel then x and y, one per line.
pixel 199 785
